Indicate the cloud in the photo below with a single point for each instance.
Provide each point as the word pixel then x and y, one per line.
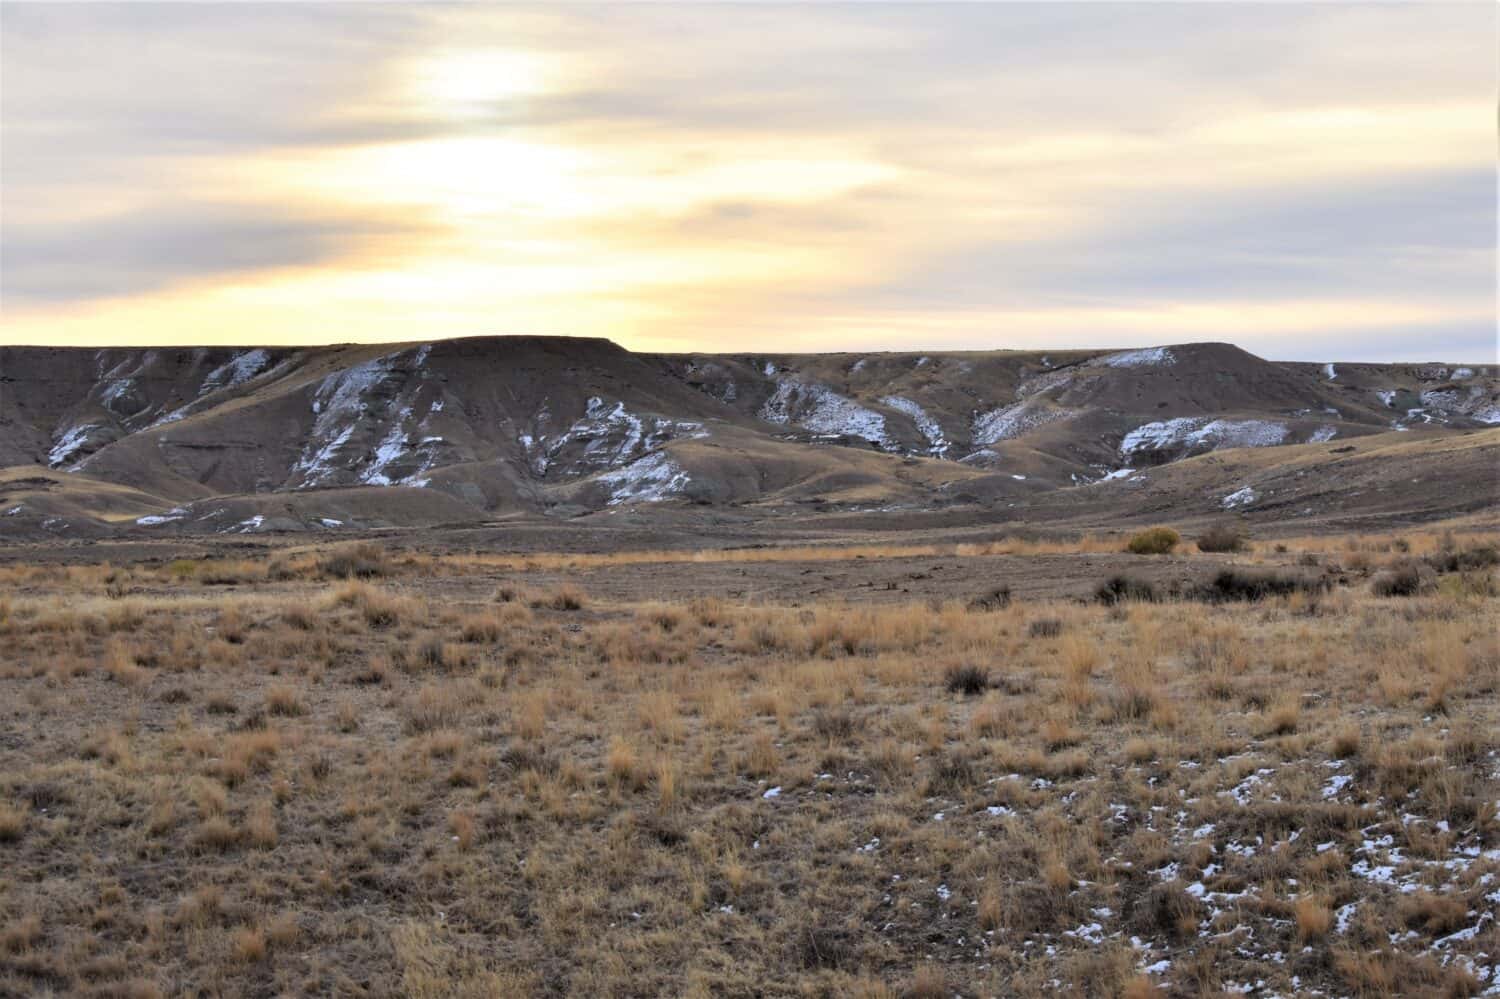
pixel 712 176
pixel 165 244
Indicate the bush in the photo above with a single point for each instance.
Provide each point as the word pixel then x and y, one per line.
pixel 1118 589
pixel 1404 580
pixel 1250 585
pixel 967 680
pixel 1478 557
pixel 1045 627
pixel 1222 538
pixel 566 598
pixel 996 599
pixel 1153 541
pixel 361 561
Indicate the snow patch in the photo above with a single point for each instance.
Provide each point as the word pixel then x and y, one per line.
pixel 1197 431
pixel 153 519
pixel 70 444
pixel 1138 358
pixel 1012 421
pixel 820 409
pixel 236 371
pixel 929 428
pixel 1243 496
pixel 651 479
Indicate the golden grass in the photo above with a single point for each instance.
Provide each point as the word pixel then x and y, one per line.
pixel 374 782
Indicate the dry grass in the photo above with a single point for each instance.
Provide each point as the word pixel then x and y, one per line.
pixel 315 783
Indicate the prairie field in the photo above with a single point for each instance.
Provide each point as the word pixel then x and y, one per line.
pixel 905 770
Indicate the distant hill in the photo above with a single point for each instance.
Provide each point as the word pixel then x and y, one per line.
pixel 218 439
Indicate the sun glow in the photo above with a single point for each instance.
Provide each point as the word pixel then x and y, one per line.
pixel 674 174
pixel 479 82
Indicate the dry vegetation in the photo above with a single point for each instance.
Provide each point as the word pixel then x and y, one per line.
pixel 363 774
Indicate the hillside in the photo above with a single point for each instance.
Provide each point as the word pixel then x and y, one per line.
pixel 109 441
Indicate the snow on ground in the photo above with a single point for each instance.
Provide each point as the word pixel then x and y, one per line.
pixel 609 434
pixel 1197 431
pixel 1240 497
pixel 1329 371
pixel 154 519
pixel 1387 396
pixel 1009 422
pixel 344 401
pixel 1323 433
pixel 1148 357
pixel 1472 403
pixel 236 371
pixel 390 449
pixel 936 443
pixel 818 408
pixel 316 465
pixel 651 479
pixel 70 444
pixel 1041 383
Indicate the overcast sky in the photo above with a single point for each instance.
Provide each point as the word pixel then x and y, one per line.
pixel 1308 181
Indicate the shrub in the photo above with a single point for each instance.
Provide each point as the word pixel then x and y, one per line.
pixel 1404 580
pixel 992 600
pixel 1250 585
pixel 826 946
pixel 967 680
pixel 1153 541
pixel 434 707
pixel 566 598
pixel 12 823
pixel 361 561
pixel 1118 589
pixel 1222 538
pixel 283 700
pixel 1313 918
pixel 432 654
pixel 1045 627
pixel 1453 560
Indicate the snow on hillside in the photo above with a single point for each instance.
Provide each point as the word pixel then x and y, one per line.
pixel 70 443
pixel 1200 431
pixel 237 370
pixel 820 409
pixel 608 435
pixel 651 479
pixel 1240 497
pixel 929 428
pixel 1012 421
pixel 345 402
pixel 1138 358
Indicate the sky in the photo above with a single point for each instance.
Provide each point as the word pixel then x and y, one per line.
pixel 1309 181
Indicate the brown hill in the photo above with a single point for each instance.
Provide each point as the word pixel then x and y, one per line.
pixel 250 439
